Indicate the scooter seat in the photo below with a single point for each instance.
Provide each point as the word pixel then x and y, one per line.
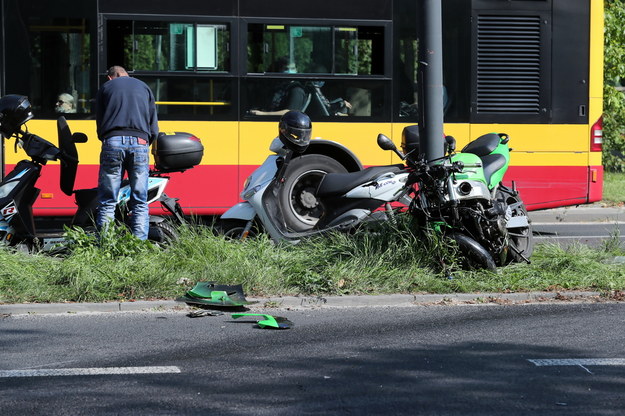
pixel 335 184
pixel 483 145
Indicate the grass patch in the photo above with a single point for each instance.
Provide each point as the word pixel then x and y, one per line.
pixel 390 259
pixel 614 188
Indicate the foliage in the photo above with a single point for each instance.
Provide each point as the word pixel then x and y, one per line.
pixel 614 73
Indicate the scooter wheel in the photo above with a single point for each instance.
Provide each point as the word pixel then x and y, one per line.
pixel 162 233
pixel 475 256
pixel 233 229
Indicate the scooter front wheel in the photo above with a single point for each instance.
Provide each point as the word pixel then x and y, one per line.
pixel 235 229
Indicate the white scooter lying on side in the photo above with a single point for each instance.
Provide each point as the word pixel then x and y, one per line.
pixel 346 199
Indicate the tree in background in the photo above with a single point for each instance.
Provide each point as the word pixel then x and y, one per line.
pixel 614 99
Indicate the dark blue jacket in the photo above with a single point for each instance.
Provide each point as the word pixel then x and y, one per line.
pixel 125 107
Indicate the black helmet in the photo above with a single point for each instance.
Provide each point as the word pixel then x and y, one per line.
pixel 295 129
pixel 15 110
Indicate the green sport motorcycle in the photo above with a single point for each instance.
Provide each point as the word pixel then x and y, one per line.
pixel 461 195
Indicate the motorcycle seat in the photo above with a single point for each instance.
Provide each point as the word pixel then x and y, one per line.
pixel 483 145
pixel 335 184
pixel 491 164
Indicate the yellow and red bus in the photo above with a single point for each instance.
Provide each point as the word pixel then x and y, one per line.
pixel 529 68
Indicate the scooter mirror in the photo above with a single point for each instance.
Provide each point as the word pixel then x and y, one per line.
pixel 79 137
pixel 385 143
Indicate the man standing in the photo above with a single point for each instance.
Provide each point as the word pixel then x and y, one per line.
pixel 127 124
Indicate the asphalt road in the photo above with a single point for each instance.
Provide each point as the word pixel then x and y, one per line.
pixel 434 360
pixel 590 225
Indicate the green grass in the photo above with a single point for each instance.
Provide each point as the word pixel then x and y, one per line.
pixel 614 188
pixel 390 260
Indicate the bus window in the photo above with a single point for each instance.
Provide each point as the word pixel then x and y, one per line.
pixel 168 46
pixel 325 71
pixel 318 98
pixel 58 63
pixel 338 50
pixel 198 53
pixel 191 98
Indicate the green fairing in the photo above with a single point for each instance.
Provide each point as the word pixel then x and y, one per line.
pixel 469 173
pixel 478 173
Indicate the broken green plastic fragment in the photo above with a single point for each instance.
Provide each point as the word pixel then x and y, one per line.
pixel 211 294
pixel 268 321
pixel 208 289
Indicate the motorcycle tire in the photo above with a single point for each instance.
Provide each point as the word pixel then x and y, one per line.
pixel 475 256
pixel 300 207
pixel 233 229
pixel 521 239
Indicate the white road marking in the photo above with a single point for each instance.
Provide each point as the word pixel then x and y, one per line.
pixel 594 223
pixel 53 372
pixel 577 237
pixel 582 362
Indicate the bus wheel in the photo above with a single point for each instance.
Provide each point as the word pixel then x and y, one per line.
pixel 299 204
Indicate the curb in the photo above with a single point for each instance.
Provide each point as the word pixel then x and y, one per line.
pixel 303 302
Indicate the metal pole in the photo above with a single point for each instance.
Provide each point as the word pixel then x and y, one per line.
pixel 430 78
pixel 2 45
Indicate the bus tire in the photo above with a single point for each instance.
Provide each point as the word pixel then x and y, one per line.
pixel 300 207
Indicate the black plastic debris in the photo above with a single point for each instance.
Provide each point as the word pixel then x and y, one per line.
pixel 212 294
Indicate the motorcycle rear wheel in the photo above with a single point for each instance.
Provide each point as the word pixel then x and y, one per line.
pixel 475 256
pixel 521 238
pixel 300 207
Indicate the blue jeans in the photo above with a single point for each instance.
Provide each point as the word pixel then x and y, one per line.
pixel 119 154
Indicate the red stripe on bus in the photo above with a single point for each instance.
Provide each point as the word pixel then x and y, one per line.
pixel 212 189
pixel 544 187
pixel 203 190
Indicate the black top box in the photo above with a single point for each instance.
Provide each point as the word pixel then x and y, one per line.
pixel 175 152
